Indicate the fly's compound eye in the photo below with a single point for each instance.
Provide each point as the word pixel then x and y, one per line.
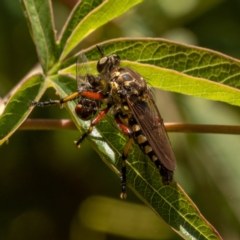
pixel 102 64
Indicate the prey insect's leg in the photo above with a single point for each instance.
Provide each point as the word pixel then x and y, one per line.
pixel 55 102
pixel 95 121
pixel 126 150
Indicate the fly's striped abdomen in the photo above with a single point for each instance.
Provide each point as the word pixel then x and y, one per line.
pixel 141 140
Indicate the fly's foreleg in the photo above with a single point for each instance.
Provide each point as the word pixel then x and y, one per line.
pixel 95 121
pixel 126 150
pixel 55 102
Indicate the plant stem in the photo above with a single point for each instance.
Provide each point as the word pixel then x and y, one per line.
pixel 66 124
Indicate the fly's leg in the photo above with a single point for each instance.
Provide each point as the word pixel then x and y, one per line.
pixel 95 121
pixel 88 94
pixel 127 147
pixel 55 102
pixel 126 150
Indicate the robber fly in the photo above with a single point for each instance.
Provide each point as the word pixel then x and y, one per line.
pixel 124 92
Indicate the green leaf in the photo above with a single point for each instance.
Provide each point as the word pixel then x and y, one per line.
pixel 40 20
pixel 171 80
pixel 17 108
pixel 165 64
pixel 80 11
pixel 169 202
pixel 105 12
pixel 177 67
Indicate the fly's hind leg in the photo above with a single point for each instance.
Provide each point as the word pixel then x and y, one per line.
pixel 95 121
pixel 126 150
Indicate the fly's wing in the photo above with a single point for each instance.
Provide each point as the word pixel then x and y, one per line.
pixel 82 69
pixel 151 123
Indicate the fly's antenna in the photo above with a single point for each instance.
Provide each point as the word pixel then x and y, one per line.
pixel 100 50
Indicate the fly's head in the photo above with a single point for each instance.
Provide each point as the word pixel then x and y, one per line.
pixel 108 63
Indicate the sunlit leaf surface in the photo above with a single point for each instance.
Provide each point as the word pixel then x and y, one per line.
pixel 108 10
pixel 40 21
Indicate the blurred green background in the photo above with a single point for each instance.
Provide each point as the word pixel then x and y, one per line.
pixel 49 189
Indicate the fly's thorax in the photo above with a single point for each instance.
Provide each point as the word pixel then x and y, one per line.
pixel 104 86
pixel 115 87
pixel 125 110
pixel 115 93
pixel 98 84
pixel 131 81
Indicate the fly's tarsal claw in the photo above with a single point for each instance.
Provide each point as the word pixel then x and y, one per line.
pixel 77 144
pixel 123 196
pixel 32 103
